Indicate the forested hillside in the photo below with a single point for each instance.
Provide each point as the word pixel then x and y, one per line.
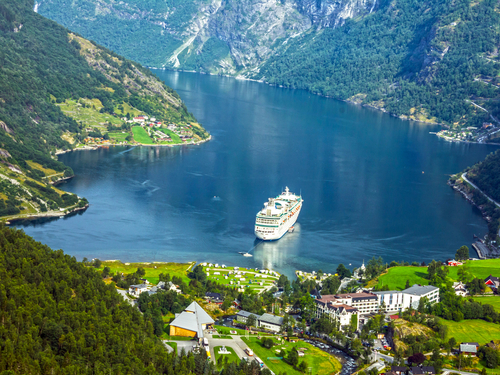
pixel 419 59
pixel 42 68
pixel 486 175
pixel 424 60
pixel 59 317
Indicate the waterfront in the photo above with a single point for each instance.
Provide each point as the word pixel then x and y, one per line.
pixel 372 185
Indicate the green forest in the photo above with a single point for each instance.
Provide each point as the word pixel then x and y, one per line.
pixel 412 58
pixel 41 66
pixel 59 317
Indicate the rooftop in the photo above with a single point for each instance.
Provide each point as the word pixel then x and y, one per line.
pixel 419 290
pixel 273 319
pixel 192 319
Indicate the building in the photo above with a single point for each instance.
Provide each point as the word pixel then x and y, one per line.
pixel 395 300
pixel 469 348
pixel 460 289
pixel 338 309
pixel 266 321
pixel 399 370
pixel 270 322
pixel 214 297
pixel 191 322
pixel 454 263
pixel 136 290
pixel 423 370
pixel 493 282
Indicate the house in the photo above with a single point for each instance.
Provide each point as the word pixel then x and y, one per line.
pixel 423 370
pixel 170 286
pixel 429 370
pixel 469 348
pixel 191 322
pixel 270 322
pixel 136 290
pixel 493 282
pixel 454 263
pixel 399 370
pixel 214 297
pixel 336 311
pixel 243 315
pixel 460 289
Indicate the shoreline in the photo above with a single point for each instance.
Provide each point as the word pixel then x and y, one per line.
pixel 401 117
pixel 46 215
pixel 96 147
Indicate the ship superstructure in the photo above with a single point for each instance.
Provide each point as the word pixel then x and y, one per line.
pixel 277 216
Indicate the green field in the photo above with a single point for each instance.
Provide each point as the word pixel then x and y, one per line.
pixel 222 337
pixel 153 270
pixel 226 358
pixel 141 135
pixel 489 300
pixel 321 363
pixel 396 277
pixel 473 330
pixel 118 136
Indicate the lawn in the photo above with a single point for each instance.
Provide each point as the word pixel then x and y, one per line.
pixel 226 358
pixel 222 337
pixel 489 300
pixel 319 361
pixel 227 331
pixel 118 136
pixel 479 268
pixel 141 135
pixel 173 345
pixel 396 277
pixel 473 330
pixel 153 270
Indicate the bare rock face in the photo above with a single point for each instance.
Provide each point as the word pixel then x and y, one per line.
pixel 232 37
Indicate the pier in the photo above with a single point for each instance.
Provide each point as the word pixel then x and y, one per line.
pixel 484 252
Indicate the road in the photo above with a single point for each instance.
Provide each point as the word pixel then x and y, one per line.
pixel 236 343
pixel 447 371
pixel 482 192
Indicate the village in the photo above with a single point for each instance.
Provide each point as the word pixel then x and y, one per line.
pixel 143 130
pixel 222 327
pixel 487 133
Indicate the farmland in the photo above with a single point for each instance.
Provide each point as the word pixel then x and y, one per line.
pixel 141 135
pixel 473 330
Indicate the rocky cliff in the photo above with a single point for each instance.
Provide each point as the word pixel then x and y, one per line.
pixel 217 36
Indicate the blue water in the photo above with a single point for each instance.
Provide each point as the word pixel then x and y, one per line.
pixel 373 185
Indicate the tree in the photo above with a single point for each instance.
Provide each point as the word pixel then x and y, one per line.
pixel 198 273
pixel 226 304
pixel 407 284
pixel 97 263
pixel 416 358
pixel 293 357
pixel 342 271
pixel 105 272
pixel 462 253
pixel 453 342
pixel 303 366
pixel 267 343
pixel 251 321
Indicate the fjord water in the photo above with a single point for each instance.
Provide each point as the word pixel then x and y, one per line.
pixel 373 185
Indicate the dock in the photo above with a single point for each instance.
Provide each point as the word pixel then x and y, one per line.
pixel 484 252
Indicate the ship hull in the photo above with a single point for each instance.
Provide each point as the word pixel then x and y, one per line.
pixel 282 229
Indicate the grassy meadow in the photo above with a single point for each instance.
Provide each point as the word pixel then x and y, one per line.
pixel 87 112
pixel 490 300
pixel 321 363
pixel 473 330
pixel 396 277
pixel 141 135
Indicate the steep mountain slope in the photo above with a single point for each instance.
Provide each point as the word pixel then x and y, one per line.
pixel 43 67
pixel 433 61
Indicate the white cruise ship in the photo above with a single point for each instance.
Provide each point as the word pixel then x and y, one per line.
pixel 278 215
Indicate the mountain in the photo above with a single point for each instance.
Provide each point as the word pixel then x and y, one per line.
pixel 434 61
pixel 56 90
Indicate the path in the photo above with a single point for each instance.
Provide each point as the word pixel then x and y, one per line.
pixel 448 371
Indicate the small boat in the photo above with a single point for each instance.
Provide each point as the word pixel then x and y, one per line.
pixel 247 255
pixel 291 229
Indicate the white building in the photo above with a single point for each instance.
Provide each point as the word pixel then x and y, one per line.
pixel 395 300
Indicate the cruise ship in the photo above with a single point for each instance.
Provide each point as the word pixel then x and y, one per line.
pixel 278 216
